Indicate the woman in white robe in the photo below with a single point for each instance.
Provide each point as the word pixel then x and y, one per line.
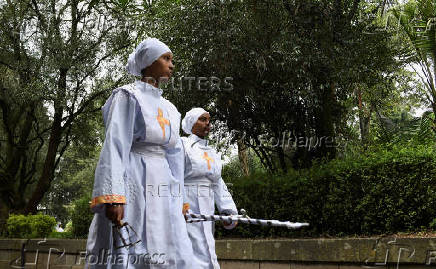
pixel 204 186
pixel 139 176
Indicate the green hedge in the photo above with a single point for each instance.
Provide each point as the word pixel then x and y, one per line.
pixel 382 192
pixel 30 226
pixel 81 217
pixel 66 234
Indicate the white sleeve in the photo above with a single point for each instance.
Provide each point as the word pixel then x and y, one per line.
pixel 223 198
pixel 109 184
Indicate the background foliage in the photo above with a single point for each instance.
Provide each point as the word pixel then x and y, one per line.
pixel 357 73
pixel 30 226
pixel 379 192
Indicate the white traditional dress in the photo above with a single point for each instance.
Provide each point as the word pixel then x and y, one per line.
pixel 204 188
pixel 141 165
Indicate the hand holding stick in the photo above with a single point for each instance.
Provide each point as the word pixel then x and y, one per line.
pixel 115 213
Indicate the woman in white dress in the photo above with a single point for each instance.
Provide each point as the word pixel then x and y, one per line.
pixel 139 176
pixel 204 186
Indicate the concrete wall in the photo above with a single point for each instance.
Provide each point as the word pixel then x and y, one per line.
pixel 387 252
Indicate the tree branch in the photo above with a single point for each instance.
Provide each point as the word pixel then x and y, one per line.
pixel 84 105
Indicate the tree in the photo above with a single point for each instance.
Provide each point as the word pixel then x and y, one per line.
pixel 294 64
pixel 57 61
pixel 416 20
pixel 74 179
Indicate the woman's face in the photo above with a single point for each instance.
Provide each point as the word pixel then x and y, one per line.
pixel 201 127
pixel 161 69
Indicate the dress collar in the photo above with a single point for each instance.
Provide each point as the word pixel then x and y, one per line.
pixel 197 140
pixel 148 88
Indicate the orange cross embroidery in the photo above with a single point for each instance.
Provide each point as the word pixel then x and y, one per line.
pixel 208 159
pixel 162 121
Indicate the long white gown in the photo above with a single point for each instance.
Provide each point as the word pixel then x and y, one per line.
pixel 204 188
pixel 141 164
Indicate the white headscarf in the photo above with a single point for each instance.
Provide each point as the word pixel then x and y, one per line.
pixel 190 118
pixel 145 54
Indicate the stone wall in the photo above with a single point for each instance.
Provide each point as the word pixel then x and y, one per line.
pixel 387 252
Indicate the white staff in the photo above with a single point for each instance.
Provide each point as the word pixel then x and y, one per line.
pixel 244 219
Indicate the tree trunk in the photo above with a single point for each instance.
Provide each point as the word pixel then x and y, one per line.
pixel 243 158
pixel 4 215
pixel 433 105
pixel 264 156
pixel 47 174
pixel 364 119
pixel 364 123
pixel 324 126
pixel 281 155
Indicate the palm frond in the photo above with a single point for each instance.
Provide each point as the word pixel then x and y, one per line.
pixel 403 127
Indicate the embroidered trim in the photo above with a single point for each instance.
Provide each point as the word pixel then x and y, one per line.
pixel 109 198
pixel 185 207
pixel 208 160
pixel 162 121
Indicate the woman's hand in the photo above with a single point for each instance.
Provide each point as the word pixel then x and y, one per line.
pixel 185 210
pixel 229 225
pixel 115 213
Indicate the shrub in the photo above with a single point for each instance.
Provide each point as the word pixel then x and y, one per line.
pixel 42 225
pixel 81 217
pixel 69 227
pixel 62 235
pixel 377 193
pixel 30 226
pixel 18 226
pixel 66 234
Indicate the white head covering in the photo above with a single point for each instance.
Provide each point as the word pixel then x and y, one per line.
pixel 145 54
pixel 190 118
